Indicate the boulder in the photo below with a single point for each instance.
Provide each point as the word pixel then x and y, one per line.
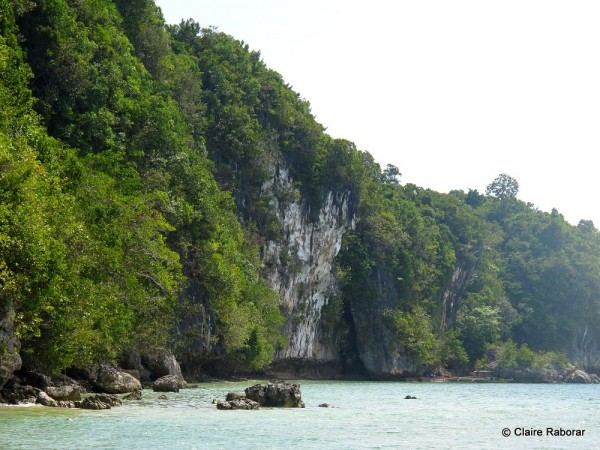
pixel 64 389
pixel 160 363
pixel 114 381
pixel 99 401
pixel 65 392
pixel 153 365
pixel 17 394
pixel 46 400
pixel 579 376
pixel 238 403
pixel 131 362
pixel 279 394
pixel 168 383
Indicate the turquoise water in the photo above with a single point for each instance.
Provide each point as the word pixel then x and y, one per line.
pixel 367 415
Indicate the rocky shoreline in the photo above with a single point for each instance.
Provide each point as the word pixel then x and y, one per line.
pixel 101 387
pixel 106 386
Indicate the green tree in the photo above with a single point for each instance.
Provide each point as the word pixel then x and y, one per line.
pixel 503 187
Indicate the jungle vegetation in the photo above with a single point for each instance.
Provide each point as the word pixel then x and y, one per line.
pixel 132 156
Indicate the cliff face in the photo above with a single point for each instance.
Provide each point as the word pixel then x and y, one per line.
pixel 379 350
pixel 585 349
pixel 455 290
pixel 300 267
pixel 9 345
pixel 377 346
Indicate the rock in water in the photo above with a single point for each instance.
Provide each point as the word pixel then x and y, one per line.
pixel 279 394
pixel 238 403
pixel 168 383
pixel 137 395
pixel 99 401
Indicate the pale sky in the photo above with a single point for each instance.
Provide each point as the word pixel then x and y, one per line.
pixel 452 92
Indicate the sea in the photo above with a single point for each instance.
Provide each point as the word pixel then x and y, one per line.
pixel 362 415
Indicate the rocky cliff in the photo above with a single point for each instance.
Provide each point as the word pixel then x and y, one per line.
pixel 9 345
pixel 378 347
pixel 585 348
pixel 300 267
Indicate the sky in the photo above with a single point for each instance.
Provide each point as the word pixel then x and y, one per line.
pixel 452 92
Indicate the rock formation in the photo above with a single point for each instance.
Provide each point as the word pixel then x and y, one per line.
pixel 278 394
pixel 114 381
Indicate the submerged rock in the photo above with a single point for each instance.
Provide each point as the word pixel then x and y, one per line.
pixel 137 395
pixel 99 401
pixel 238 403
pixel 279 394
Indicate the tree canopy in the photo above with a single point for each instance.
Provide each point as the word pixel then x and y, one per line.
pixel 133 160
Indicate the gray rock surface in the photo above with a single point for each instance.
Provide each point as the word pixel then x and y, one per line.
pixel 279 394
pixel 137 395
pixel 68 392
pixel 581 377
pixel 168 383
pixel 238 403
pixel 235 395
pixel 10 360
pixel 99 401
pixel 46 400
pixel 114 381
pixel 160 363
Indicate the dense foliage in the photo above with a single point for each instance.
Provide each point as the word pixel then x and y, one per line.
pixel 132 162
pixel 109 219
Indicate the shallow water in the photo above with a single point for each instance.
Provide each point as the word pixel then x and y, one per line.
pixel 366 415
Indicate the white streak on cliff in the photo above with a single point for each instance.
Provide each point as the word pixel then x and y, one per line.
pixel 300 266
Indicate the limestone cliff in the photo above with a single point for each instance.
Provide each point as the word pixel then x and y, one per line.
pixel 300 267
